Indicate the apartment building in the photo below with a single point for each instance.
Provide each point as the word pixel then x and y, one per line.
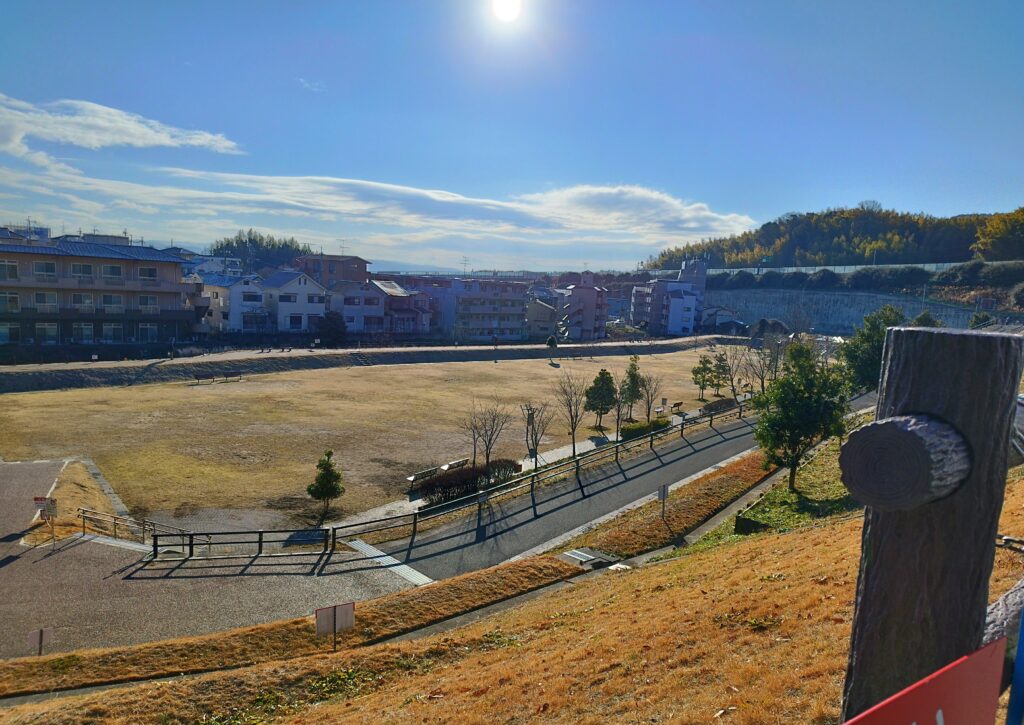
pixel 584 310
pixel 541 320
pixel 296 302
pixel 331 269
pixel 473 310
pixel 381 306
pixel 66 291
pixel 671 307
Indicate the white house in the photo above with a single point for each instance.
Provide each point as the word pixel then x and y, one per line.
pixel 296 301
pixel 236 303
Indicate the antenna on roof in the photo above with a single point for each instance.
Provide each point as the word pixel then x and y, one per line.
pixel 465 264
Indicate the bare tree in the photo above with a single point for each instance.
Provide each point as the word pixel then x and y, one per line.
pixel 493 419
pixel 650 391
pixel 760 362
pixel 470 425
pixel 537 417
pixel 735 357
pixel 570 393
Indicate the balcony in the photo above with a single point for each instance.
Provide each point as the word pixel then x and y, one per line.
pixel 149 309
pixel 149 281
pixel 83 281
pixel 87 309
pixel 112 309
pixel 113 281
pixel 46 308
pixel 44 277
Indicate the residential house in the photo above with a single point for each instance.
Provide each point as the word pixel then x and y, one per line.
pixel 227 266
pixel 237 304
pixel 381 306
pixel 331 269
pixel 296 302
pixel 64 291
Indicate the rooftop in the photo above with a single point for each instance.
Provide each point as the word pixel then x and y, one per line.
pixel 87 249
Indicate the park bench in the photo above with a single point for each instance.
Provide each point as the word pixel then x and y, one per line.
pixel 232 374
pixel 455 464
pixel 677 406
pixel 201 377
pixel 422 475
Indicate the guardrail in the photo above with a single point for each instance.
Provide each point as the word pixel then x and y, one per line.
pixel 327 537
pixel 127 525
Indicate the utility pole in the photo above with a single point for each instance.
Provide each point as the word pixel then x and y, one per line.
pixel 465 264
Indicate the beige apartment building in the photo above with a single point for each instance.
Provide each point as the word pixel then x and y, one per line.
pixel 64 291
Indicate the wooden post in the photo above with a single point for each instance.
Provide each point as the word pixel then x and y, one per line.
pixel 932 472
pixel 156 551
pixel 259 543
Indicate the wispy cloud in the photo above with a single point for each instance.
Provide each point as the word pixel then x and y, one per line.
pixel 91 126
pixel 312 86
pixel 613 222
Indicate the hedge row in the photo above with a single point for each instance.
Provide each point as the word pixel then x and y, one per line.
pixel 968 274
pixel 636 430
pixel 459 482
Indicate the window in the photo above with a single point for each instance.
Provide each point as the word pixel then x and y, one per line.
pixel 113 332
pixel 46 301
pixel 216 295
pixel 45 269
pixel 252 297
pixel 9 332
pixel 46 333
pixel 82 332
pixel 289 298
pixel 349 318
pixel 147 300
pixel 79 269
pixel 9 302
pixel 147 332
pixel 113 300
pixel 8 269
pixel 112 270
pixel 352 301
pixel 315 299
pixel 147 273
pixel 294 322
pixel 371 300
pixel 80 300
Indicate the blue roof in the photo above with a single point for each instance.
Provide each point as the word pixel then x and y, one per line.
pixel 224 280
pixel 280 279
pixel 88 249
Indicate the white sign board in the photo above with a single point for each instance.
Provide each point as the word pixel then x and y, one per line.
pixel 339 618
pixel 45 505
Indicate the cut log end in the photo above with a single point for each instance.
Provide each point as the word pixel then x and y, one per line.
pixel 900 463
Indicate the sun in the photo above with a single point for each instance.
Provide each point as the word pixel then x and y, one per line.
pixel 506 10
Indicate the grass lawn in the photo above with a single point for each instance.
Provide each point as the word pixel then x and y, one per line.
pixel 181 447
pixel 752 632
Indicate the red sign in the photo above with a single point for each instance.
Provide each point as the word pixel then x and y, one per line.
pixel 964 691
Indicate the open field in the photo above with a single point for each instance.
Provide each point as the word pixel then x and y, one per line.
pixel 175 448
pixel 749 632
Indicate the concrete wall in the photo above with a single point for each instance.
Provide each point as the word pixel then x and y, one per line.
pixel 826 311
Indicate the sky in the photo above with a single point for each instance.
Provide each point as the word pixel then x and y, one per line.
pixel 583 133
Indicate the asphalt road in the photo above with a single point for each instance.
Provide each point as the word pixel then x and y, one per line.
pixel 510 527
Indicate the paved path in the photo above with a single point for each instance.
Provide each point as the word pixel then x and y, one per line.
pixel 96 595
pixel 507 528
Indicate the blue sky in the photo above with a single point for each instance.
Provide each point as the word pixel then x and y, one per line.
pixel 584 132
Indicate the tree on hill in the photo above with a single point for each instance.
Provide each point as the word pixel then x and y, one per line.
pixel 804 406
pixel 257 250
pixel 862 353
pixel 327 485
pixel 927 319
pixel 1002 236
pixel 601 395
pixel 866 234
pixel 719 373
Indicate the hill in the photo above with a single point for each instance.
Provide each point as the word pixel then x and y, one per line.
pixel 866 234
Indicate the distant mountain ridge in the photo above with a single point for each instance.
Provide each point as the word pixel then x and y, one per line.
pixel 866 234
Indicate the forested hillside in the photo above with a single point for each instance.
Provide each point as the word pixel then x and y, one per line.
pixel 866 234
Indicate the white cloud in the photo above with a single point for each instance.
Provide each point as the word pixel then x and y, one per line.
pixel 91 126
pixel 312 86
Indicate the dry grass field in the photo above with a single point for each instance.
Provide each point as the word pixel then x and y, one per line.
pixel 254 444
pixel 751 632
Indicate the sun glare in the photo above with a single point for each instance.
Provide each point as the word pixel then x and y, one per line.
pixel 506 10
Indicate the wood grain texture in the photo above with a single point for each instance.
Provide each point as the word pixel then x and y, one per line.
pixel 923 584
pixel 903 462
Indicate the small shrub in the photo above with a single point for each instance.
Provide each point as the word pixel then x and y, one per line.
pixel 961 275
pixel 717 281
pixel 741 280
pixel 459 482
pixel 719 406
pixel 636 430
pixel 771 279
pixel 794 280
pixel 824 279
pixel 1002 274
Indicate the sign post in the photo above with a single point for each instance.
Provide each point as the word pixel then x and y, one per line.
pixel 334 619
pixel 663 497
pixel 47 508
pixel 37 638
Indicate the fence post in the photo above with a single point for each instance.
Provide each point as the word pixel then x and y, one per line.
pixel 327 540
pixel 156 551
pixel 115 528
pixel 944 416
pixel 334 539
pixel 82 514
pixel 416 518
pixel 191 544
pixel 259 543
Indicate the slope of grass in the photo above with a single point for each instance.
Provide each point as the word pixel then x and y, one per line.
pixel 751 633
pixel 75 488
pixel 643 529
pixel 396 613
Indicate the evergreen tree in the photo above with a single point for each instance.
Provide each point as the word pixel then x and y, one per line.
pixel 719 372
pixel 632 389
pixel 804 406
pixel 703 374
pixel 862 353
pixel 601 395
pixel 327 485
pixel 926 319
